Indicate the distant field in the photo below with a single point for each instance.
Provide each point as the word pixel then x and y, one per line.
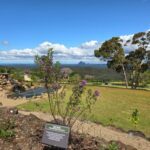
pixel 114 107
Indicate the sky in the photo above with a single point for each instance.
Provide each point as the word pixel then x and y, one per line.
pixel 74 28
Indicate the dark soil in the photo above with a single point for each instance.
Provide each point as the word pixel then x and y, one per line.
pixel 28 132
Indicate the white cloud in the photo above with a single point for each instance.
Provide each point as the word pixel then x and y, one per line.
pixel 148 30
pixel 126 37
pixel 61 52
pixel 90 44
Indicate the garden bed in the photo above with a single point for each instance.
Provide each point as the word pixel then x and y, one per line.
pixel 25 133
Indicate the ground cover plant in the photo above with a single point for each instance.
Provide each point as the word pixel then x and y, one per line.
pixel 6 127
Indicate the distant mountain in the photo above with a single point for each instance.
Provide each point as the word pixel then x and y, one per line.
pixel 81 63
pixel 19 65
pixel 85 66
pixel 63 65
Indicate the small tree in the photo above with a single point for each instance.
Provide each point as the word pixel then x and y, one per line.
pixel 135 117
pixel 69 110
pixel 113 146
pixel 113 52
pixel 139 59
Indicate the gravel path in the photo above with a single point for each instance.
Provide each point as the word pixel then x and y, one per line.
pixel 10 102
pixel 96 130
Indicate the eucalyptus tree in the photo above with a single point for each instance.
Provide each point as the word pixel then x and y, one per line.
pixel 113 52
pixel 138 63
pixel 139 59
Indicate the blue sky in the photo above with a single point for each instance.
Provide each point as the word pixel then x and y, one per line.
pixel 26 24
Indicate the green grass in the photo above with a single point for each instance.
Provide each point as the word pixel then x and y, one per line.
pixel 114 107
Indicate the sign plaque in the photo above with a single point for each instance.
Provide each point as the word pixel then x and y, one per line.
pixel 56 135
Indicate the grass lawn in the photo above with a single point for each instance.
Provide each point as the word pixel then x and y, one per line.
pixel 114 107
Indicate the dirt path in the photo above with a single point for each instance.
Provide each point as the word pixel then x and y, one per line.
pixel 101 131
pixel 10 102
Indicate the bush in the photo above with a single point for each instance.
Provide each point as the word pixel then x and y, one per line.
pixel 113 146
pixel 6 127
pixel 80 101
pixel 6 133
pixel 138 35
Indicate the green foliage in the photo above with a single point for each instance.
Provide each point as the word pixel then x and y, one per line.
pixel 6 133
pixel 36 75
pixel 135 117
pixel 78 104
pixel 128 41
pixel 113 52
pixel 45 64
pixel 148 35
pixel 75 105
pixel 6 127
pixel 111 49
pixel 74 77
pixel 7 124
pixel 146 78
pixel 113 146
pixel 18 74
pixel 98 74
pixel 136 36
pixel 2 70
pixel 138 63
pixel 135 41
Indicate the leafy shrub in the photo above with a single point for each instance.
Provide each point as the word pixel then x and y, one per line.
pixel 6 133
pixel 68 108
pixel 135 41
pixel 6 127
pixel 135 117
pixel 138 35
pixel 113 146
pixel 148 35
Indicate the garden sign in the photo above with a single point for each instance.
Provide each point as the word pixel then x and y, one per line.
pixel 56 135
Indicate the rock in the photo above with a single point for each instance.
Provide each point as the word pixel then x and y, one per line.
pixel 13 111
pixel 136 133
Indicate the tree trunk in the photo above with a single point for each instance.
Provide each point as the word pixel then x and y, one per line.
pixel 125 76
pixel 137 80
pixel 132 79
